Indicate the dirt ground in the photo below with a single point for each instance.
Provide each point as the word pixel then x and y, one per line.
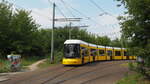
pixel 108 72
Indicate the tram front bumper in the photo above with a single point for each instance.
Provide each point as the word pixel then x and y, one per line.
pixel 75 61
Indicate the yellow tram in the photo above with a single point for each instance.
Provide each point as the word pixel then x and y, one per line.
pixel 77 52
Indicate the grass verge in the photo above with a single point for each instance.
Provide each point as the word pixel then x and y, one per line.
pixel 46 64
pixel 58 59
pixel 134 79
pixel 29 61
pixel 4 66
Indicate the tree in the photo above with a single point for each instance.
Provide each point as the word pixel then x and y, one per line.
pixel 24 28
pixel 136 25
pixel 5 24
pixel 17 29
pixel 104 41
pixel 116 43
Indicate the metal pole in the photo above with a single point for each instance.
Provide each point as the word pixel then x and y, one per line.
pixel 70 31
pixel 52 36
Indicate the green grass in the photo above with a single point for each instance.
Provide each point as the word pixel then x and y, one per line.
pixel 133 79
pixel 4 66
pixel 46 64
pixel 58 59
pixel 28 61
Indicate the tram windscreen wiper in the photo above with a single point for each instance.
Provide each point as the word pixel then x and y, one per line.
pixel 71 51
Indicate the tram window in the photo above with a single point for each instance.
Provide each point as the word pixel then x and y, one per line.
pixel 101 52
pixel 71 51
pixel 84 51
pixel 109 53
pixel 117 53
pixel 93 52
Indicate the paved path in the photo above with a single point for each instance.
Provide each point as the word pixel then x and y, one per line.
pixel 95 73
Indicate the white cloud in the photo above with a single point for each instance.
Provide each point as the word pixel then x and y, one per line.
pixel 42 16
pixel 106 25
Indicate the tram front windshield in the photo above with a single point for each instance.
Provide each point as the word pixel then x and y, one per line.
pixel 71 51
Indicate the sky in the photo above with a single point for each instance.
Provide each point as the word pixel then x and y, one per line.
pixel 98 22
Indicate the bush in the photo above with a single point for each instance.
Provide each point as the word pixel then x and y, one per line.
pixel 58 56
pixel 4 66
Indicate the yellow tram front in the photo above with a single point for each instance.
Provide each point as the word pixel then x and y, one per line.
pixel 72 52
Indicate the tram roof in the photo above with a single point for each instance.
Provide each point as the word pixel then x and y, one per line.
pixel 117 48
pixel 99 46
pixel 92 45
pixel 124 48
pixel 74 41
pixel 109 47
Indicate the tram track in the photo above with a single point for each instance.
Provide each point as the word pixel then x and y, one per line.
pixel 30 75
pixel 98 77
pixel 93 71
pixel 67 75
pixel 58 75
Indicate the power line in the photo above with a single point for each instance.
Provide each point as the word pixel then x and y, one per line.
pixel 84 16
pixel 97 6
pixel 75 9
pixel 67 8
pixel 88 18
pixel 101 9
pixel 61 12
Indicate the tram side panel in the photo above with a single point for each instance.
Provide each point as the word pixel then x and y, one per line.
pixel 93 54
pixel 102 54
pixel 124 54
pixel 84 53
pixel 97 55
pixel 90 55
pixel 109 54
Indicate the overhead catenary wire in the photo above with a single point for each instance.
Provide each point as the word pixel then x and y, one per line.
pixel 91 19
pixel 67 8
pixel 88 18
pixel 83 14
pixel 101 9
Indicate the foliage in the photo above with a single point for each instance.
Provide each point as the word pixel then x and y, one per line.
pixel 4 66
pixel 135 27
pixel 133 79
pixel 16 30
pixel 28 61
pixel 58 58
pixel 130 79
